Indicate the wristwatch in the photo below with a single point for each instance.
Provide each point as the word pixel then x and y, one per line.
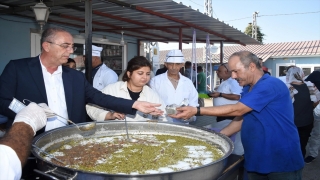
pixel 198 111
pixel 220 95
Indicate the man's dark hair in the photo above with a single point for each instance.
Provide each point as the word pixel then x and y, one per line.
pixel 199 68
pixel 187 64
pixel 134 64
pixel 226 66
pixel 247 57
pixel 71 60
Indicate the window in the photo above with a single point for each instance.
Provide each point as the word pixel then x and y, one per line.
pixel 306 71
pixel 281 69
pixel 308 68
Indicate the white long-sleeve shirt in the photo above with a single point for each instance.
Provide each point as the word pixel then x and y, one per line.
pixel 104 77
pixel 10 165
pixel 171 95
pixel 119 89
pixel 185 89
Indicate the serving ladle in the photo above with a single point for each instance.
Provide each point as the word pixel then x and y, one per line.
pixel 50 155
pixel 125 121
pixel 89 126
pixel 128 139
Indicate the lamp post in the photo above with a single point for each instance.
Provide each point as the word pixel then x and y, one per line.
pixel 41 12
pixel 122 40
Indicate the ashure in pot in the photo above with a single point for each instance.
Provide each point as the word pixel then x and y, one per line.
pixel 204 169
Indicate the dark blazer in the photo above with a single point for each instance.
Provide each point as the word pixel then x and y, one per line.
pixel 23 79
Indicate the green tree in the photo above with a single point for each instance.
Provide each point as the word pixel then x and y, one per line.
pixel 260 35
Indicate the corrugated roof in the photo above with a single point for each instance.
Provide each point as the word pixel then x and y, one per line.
pixel 156 20
pixel 266 51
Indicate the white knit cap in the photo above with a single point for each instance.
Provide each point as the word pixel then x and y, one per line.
pixel 174 56
pixel 96 51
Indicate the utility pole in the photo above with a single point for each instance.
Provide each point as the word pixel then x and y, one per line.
pixel 255 25
pixel 208 8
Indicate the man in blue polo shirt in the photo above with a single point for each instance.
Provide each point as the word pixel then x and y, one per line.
pixel 265 116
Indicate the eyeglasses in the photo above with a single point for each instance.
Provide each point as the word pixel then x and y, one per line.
pixel 64 46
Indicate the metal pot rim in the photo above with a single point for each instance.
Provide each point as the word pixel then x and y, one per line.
pixel 37 138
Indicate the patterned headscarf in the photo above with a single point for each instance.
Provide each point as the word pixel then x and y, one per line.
pixel 294 74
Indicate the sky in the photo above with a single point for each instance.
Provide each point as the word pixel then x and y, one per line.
pixel 298 25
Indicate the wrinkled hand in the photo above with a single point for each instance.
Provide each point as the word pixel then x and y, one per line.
pixel 147 108
pixel 116 115
pixel 184 112
pixel 32 115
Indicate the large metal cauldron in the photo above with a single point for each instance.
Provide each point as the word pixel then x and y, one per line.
pixel 55 138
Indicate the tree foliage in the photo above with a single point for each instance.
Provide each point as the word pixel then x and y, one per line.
pixel 260 35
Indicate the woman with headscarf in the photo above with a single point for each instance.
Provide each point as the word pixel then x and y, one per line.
pixel 133 86
pixel 302 104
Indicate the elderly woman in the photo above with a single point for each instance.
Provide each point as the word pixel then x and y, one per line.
pixel 134 86
pixel 302 104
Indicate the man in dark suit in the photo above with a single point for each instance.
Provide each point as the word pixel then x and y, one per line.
pixel 42 79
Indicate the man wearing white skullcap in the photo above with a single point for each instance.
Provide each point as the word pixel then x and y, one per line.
pixel 101 74
pixel 173 87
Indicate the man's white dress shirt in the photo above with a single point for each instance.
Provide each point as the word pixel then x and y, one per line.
pixel 56 97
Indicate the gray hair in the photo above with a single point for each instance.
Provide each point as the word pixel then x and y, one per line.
pixel 49 34
pixel 247 57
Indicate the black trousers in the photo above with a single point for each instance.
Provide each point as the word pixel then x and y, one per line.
pixel 304 134
pixel 221 118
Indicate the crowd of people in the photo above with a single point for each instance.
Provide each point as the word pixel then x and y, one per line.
pixel 275 118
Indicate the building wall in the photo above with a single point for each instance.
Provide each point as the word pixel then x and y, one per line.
pixel 15 36
pixel 304 62
pixel 132 50
pixel 15 39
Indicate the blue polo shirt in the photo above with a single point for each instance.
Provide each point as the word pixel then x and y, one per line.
pixel 269 136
